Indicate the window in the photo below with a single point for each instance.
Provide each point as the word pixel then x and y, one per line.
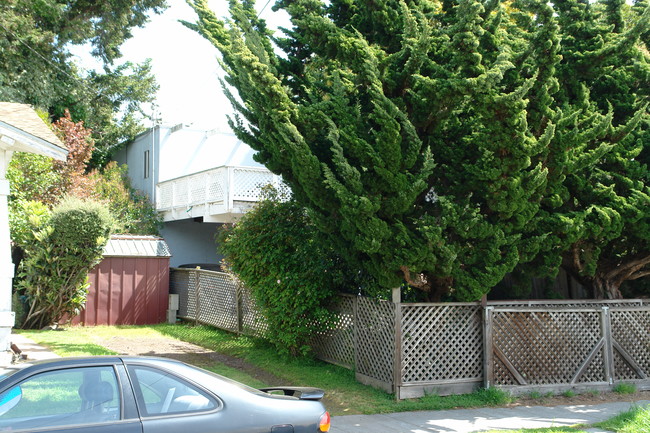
pixel 146 164
pixel 62 397
pixel 162 393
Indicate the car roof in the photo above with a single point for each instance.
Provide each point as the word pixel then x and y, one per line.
pixel 90 360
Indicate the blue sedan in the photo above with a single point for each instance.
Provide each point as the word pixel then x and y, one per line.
pixel 147 395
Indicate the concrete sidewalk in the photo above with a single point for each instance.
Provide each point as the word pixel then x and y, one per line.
pixel 31 350
pixel 475 420
pixel 443 421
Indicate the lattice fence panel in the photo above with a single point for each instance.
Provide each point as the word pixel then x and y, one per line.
pixel 253 323
pixel 441 343
pixel 216 182
pixel 595 373
pixel 248 183
pixel 503 376
pixel 283 189
pixel 217 300
pixel 622 369
pixel 165 195
pixel 631 330
pixel 181 192
pixel 375 339
pixel 547 347
pixel 197 188
pixel 567 304
pixel 337 344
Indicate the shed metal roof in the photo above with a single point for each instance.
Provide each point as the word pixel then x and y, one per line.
pixel 136 246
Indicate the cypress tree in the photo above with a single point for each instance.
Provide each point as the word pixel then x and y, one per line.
pixel 442 143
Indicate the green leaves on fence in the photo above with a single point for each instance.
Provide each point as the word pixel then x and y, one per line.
pixel 292 273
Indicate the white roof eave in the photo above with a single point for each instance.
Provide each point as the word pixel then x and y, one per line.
pixel 15 139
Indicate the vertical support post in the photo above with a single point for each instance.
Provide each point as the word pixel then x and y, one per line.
pixel 230 188
pixel 197 297
pixel 355 331
pixel 239 307
pixel 7 317
pixel 397 348
pixel 488 348
pixel 608 348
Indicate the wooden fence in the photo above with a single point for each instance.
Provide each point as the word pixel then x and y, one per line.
pixel 411 349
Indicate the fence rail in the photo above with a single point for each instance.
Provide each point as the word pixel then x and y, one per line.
pixel 415 348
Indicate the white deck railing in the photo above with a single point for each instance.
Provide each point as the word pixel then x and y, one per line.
pixel 225 191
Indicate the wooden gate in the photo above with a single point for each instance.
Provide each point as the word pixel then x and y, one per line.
pixel 565 347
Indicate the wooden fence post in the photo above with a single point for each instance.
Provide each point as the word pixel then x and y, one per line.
pixel 239 307
pixel 488 348
pixel 355 331
pixel 197 295
pixel 608 348
pixel 397 354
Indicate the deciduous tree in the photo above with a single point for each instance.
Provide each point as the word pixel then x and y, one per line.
pixel 36 66
pixel 39 178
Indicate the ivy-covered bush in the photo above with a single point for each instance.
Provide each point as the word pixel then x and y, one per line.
pixel 276 252
pixel 59 252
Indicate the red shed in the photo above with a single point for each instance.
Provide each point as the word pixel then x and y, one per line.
pixel 130 286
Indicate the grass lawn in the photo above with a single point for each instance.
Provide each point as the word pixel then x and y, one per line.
pixel 344 394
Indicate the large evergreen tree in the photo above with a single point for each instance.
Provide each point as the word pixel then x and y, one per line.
pixel 446 142
pixel 37 68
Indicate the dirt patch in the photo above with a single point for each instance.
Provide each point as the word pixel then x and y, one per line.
pixel 185 352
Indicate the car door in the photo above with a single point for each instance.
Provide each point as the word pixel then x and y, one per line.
pixel 170 404
pixel 67 400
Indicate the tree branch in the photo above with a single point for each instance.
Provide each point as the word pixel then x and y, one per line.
pixel 628 268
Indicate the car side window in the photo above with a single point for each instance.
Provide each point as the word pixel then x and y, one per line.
pixel 161 393
pixel 71 396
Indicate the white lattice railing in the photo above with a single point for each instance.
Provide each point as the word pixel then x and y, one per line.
pixel 225 189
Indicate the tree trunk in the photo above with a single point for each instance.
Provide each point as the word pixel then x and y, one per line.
pixel 605 288
pixel 434 288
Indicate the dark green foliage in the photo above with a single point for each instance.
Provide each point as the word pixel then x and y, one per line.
pixel 280 256
pixel 132 211
pixel 59 252
pixel 37 68
pixel 596 206
pixel 444 143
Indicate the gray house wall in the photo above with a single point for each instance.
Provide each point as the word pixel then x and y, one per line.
pixel 145 145
pixel 167 152
pixel 191 242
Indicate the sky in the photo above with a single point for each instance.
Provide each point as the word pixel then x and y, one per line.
pixel 185 65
